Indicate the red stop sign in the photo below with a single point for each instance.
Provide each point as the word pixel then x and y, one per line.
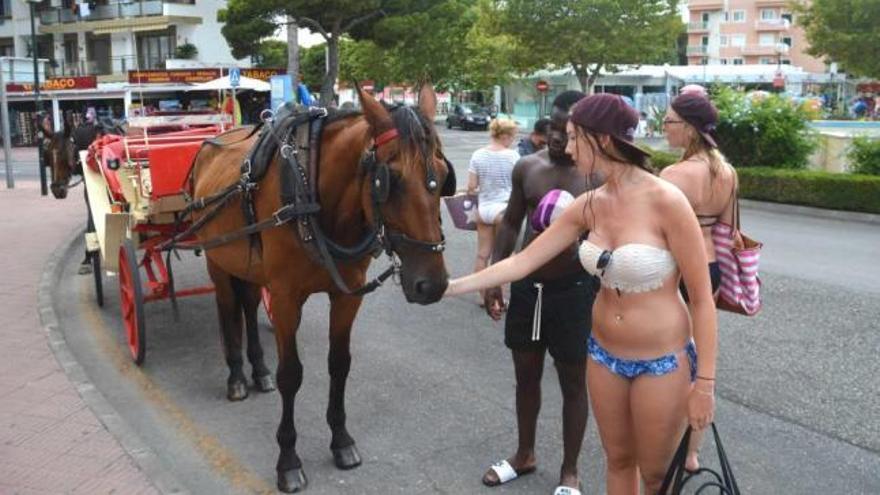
pixel 542 86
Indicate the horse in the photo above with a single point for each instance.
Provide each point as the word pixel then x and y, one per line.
pixel 381 166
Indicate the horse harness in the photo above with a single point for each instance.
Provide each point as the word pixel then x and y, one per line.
pixel 293 133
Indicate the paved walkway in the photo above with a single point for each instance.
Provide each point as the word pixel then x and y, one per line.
pixel 50 441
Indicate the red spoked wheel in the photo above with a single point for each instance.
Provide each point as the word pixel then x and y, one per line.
pixel 131 300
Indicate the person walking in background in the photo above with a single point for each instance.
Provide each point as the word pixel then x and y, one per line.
pixel 643 238
pixel 489 178
pixel 536 141
pixel 550 309
pixel 706 179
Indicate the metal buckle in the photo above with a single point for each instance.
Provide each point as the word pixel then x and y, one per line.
pixel 287 150
pixel 267 116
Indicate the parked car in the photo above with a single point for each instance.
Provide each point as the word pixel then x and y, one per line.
pixel 468 116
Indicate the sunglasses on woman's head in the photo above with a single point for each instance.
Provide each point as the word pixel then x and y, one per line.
pixel 603 261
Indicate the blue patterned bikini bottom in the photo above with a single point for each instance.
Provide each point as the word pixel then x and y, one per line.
pixel 632 368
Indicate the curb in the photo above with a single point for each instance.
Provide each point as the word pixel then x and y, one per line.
pixel 809 211
pixel 131 442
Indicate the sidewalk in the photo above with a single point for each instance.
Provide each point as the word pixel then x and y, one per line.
pixel 50 441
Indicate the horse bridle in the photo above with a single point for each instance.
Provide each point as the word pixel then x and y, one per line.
pixel 380 189
pixel 56 155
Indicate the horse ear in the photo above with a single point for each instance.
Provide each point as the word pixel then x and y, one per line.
pixel 428 101
pixel 45 124
pixel 376 115
pixel 68 124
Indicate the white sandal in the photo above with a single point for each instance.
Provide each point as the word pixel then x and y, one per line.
pixel 566 490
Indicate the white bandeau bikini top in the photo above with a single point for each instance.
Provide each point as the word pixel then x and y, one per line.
pixel 630 267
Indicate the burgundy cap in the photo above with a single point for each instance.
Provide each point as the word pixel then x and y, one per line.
pixel 698 111
pixel 607 113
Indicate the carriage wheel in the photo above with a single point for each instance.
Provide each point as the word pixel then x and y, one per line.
pixel 131 299
pixel 99 281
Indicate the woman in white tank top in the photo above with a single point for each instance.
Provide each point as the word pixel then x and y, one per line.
pixel 490 177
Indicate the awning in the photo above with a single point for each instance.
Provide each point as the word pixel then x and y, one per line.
pixel 132 29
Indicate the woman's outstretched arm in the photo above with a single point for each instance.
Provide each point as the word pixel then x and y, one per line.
pixel 558 237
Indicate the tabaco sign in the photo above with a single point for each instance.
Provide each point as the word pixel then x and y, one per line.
pixel 172 76
pixel 262 74
pixel 57 84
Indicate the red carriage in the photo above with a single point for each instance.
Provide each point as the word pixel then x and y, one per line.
pixel 136 188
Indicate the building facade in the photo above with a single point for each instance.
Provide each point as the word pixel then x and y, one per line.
pixel 107 38
pixel 746 32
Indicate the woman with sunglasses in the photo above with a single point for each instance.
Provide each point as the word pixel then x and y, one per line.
pixel 642 239
pixel 705 177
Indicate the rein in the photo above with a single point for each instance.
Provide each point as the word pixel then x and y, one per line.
pixel 300 204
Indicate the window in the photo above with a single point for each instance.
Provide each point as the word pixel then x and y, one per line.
pixel 787 40
pixel 765 61
pixel 767 39
pixel 737 61
pixel 705 41
pixel 154 47
pixel 704 61
pixel 786 61
pixel 739 16
pixel 768 14
pixel 7 9
pixel 787 17
pixel 705 17
pixel 7 47
pixel 738 40
pixel 723 40
pixel 725 16
pixel 723 61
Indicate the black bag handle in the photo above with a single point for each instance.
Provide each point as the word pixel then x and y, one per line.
pixel 675 476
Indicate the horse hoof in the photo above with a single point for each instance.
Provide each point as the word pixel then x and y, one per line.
pixel 292 481
pixel 236 391
pixel 346 457
pixel 264 383
pixel 85 269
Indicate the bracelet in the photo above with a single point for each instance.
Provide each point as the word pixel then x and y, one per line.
pixel 712 394
pixel 705 378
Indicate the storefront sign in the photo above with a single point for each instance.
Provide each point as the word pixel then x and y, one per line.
pixel 869 87
pixel 262 74
pixel 57 84
pixel 172 76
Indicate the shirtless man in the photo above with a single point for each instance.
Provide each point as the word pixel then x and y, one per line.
pixel 559 296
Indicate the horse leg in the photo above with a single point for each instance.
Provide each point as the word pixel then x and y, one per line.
pixel 286 313
pixel 229 309
pixel 85 267
pixel 249 295
pixel 343 310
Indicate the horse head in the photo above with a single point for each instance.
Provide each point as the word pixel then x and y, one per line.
pixel 406 173
pixel 60 156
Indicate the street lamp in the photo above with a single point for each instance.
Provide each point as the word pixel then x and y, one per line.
pixel 44 190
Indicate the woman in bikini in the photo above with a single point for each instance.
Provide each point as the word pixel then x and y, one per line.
pixel 490 177
pixel 643 238
pixel 705 178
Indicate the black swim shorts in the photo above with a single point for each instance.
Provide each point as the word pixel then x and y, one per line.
pixel 566 310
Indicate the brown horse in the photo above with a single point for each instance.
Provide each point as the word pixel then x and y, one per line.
pixel 409 211
pixel 59 156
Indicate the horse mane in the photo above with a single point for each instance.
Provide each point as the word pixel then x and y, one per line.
pixel 416 133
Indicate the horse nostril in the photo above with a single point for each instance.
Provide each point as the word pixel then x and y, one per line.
pixel 423 286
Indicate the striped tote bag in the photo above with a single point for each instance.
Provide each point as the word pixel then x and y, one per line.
pixel 738 256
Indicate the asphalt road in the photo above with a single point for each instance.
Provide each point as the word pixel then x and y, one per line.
pixel 430 397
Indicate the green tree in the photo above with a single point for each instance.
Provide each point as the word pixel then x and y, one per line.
pixel 845 31
pixel 271 53
pixel 592 35
pixel 249 21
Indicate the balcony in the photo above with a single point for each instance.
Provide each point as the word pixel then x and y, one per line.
pixel 766 50
pixel 773 25
pixel 105 67
pixel 118 10
pixel 697 50
pixel 698 27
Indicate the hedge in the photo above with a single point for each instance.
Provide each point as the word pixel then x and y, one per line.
pixel 834 191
